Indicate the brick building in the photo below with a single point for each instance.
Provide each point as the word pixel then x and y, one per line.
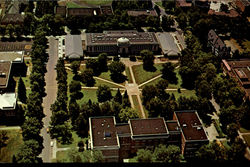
pixel 193 135
pixel 118 141
pixel 240 71
pixel 120 42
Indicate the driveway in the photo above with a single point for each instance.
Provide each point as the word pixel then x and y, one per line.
pixel 51 90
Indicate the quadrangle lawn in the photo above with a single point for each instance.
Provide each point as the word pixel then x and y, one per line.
pixel 13 144
pixel 142 76
pixel 91 94
pixel 186 93
pixel 170 86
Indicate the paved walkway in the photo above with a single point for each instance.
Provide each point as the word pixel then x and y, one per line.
pixel 133 88
pixel 111 82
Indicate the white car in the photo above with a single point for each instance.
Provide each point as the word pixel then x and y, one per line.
pixel 51 143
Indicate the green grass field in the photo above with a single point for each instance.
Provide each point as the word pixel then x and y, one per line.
pixel 73 5
pixel 142 76
pixel 97 2
pixel 243 130
pixel 105 75
pixel 136 104
pixel 186 93
pixel 160 4
pixel 91 94
pixel 247 139
pixel 170 86
pixel 76 139
pixel 13 144
pixel 128 75
pixel 98 82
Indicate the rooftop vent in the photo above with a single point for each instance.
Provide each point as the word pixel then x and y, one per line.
pixel 107 134
pixel 102 124
pixel 184 125
pixel 2 74
pixel 198 128
pixel 108 126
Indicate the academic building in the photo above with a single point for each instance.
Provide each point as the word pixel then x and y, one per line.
pixel 119 141
pixel 120 42
pixel 240 71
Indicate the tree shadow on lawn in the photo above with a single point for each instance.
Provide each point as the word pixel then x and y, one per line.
pixel 118 78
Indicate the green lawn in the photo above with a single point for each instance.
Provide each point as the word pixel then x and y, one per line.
pixel 91 94
pixel 26 81
pixel 73 5
pixel 76 139
pixel 142 76
pixel 247 139
pixel 61 156
pixel 128 75
pixel 218 128
pixel 97 2
pixel 186 93
pixel 160 4
pixel 136 104
pixel 13 144
pixel 98 82
pixel 243 130
pixel 170 86
pixel 105 75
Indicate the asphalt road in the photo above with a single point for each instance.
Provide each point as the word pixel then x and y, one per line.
pixel 51 90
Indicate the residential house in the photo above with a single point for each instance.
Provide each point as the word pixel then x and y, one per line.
pixel 12 15
pixel 217 46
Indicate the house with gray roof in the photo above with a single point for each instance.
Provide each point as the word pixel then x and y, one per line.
pixel 217 46
pixel 73 47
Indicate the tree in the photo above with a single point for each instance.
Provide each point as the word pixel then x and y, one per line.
pixel 103 93
pixel 29 152
pixel 73 110
pixel 144 155
pixel 127 113
pixel 232 131
pixel 229 115
pixel 75 67
pixel 203 89
pixel 94 65
pixel 237 151
pixel 125 100
pixel 21 91
pixel 87 77
pixel 10 30
pixel 102 60
pixel 148 60
pixel 167 22
pixel 74 86
pixel 148 92
pixel 168 73
pixel 3 139
pixel 236 94
pixel 161 86
pixel 116 68
pixel 171 154
pixel 31 128
pixel 118 97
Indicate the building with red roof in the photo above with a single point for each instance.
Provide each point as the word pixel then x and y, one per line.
pixel 118 141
